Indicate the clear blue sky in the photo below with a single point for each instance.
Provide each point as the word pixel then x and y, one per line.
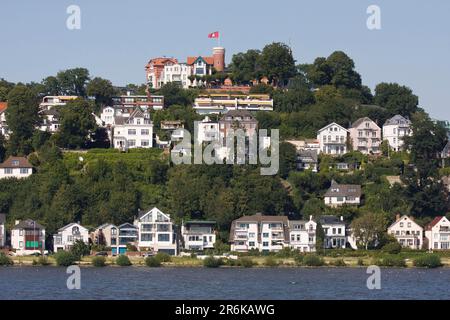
pixel 117 38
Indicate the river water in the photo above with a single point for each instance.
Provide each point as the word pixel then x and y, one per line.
pixel 223 283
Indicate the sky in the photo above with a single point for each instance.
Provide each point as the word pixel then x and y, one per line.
pixel 117 38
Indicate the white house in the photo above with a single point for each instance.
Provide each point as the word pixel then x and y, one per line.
pixel 50 120
pixel 437 233
pixel 198 235
pixel 302 235
pixel 407 232
pixel 128 236
pixel 178 73
pixel 341 194
pixel 2 230
pixel 48 102
pixel 394 131
pixel 258 232
pixel 333 139
pixel 156 232
pixel 335 232
pixel 27 237
pixel 107 115
pixel 135 131
pixel 68 235
pixel 15 167
pixel 207 130
pixel 3 125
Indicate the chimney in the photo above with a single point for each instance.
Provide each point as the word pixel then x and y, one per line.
pixel 397 217
pixel 17 222
pixel 342 218
pixel 310 218
pixel 128 93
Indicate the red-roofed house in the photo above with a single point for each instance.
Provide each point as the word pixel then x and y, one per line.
pixel 15 167
pixel 437 233
pixel 3 125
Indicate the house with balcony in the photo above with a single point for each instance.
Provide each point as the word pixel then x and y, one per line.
pixel 223 103
pixel 259 232
pixel 302 235
pixel 365 136
pixel 49 102
pixel 342 194
pixel 50 120
pixel 437 233
pixel 2 230
pixel 156 232
pixel 106 235
pixel 174 129
pixel 126 104
pixel 334 229
pixel 128 236
pixel 68 235
pixel 198 235
pixel 333 139
pixel 407 232
pixel 15 167
pixel 27 237
pixel 135 131
pixel 395 130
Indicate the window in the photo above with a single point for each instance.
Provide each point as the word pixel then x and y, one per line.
pixel 145 143
pixel 251 235
pixel 131 132
pixel 409 224
pixel 251 244
pixel 131 143
pixel 265 235
pixel 145 132
pixel 113 231
pixel 265 244
pixel 21 244
pixel 401 224
pixel 8 170
pixel 15 163
pixel 146 237
pixel 163 237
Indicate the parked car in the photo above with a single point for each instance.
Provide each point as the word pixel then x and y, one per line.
pixel 148 254
pixel 102 253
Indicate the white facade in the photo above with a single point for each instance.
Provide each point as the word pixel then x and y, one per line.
pixel 335 232
pixel 2 230
pixel 27 237
pixel 68 235
pixel 198 235
pixel 107 115
pixel 223 103
pixel 394 131
pixel 133 132
pixel 438 234
pixel 302 235
pixel 178 73
pixel 333 139
pixel 407 232
pixel 48 102
pixel 156 232
pixel 342 194
pixel 207 131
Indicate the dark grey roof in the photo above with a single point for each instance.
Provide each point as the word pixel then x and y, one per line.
pixel 343 190
pixel 28 224
pixel 397 119
pixel 119 120
pixel 308 154
pixel 361 120
pixel 127 225
pixel 330 220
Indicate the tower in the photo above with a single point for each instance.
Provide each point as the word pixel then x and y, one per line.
pixel 219 58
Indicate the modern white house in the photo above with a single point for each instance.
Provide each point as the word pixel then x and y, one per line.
pixel 394 131
pixel 437 233
pixel 156 232
pixel 335 232
pixel 223 103
pixel 68 235
pixel 333 139
pixel 365 136
pixel 2 230
pixel 49 102
pixel 259 232
pixel 15 167
pixel 342 194
pixel 198 235
pixel 302 235
pixel 128 236
pixel 407 232
pixel 136 131
pixel 27 237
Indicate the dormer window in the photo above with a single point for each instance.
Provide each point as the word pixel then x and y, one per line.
pixel 15 163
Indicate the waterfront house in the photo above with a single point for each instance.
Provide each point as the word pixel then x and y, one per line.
pixel 2 230
pixel 395 130
pixel 135 131
pixel 333 139
pixel 437 233
pixel 15 167
pixel 128 237
pixel 341 194
pixel 407 232
pixel 156 232
pixel 302 235
pixel 198 235
pixel 106 235
pixel 68 235
pixel 365 136
pixel 259 232
pixel 334 231
pixel 27 237
pixel 307 160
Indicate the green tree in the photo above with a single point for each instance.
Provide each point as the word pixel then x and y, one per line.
pixel 245 66
pixel 80 249
pixel 277 63
pixel 73 81
pixel 102 90
pixel 396 99
pixel 288 159
pixel 368 229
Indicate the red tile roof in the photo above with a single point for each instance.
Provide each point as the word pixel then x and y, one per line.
pixel 433 223
pixel 208 60
pixel 3 106
pixel 22 163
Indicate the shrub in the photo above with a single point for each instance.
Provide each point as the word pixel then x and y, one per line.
pixel 270 262
pixel 163 257
pixel 285 253
pixel 299 259
pixel 391 261
pixel 65 258
pixel 41 261
pixel 152 262
pixel 428 261
pixel 211 262
pixel 339 263
pixel 5 260
pixel 193 256
pixel 123 261
pixel 245 262
pixel 392 248
pixel 360 262
pixel 312 260
pixel 99 261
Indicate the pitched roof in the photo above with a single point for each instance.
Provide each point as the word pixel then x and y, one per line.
pixel 361 120
pixel 397 119
pixel 16 162
pixel 330 220
pixel 433 223
pixel 343 190
pixel 208 60
pixel 28 224
pixel 332 124
pixel 70 225
pixel 3 106
pixel 402 218
pixel 308 153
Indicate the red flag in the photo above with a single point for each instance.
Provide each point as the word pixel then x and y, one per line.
pixel 213 35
